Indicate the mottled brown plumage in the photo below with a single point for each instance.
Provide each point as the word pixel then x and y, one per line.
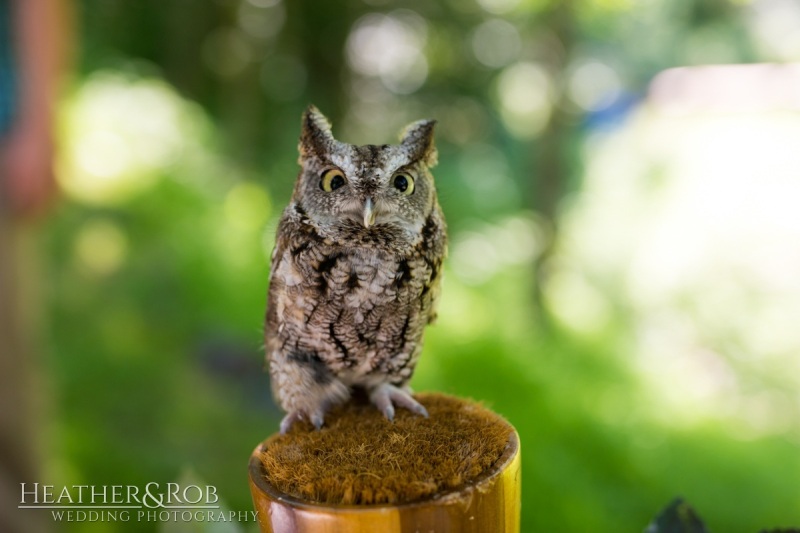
pixel 356 272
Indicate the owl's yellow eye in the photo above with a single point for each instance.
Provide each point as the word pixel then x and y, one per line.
pixel 332 179
pixel 404 183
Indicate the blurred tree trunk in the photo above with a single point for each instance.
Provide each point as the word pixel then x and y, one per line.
pixel 553 166
pixel 320 31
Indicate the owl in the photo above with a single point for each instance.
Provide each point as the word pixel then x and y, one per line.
pixel 355 273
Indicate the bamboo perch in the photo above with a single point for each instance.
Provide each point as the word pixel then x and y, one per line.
pixel 458 471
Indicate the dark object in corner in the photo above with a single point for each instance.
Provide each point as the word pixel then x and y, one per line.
pixel 678 517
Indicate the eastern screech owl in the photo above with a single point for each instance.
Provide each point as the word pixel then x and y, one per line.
pixel 355 272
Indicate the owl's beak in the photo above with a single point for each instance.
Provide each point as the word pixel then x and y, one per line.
pixel 369 213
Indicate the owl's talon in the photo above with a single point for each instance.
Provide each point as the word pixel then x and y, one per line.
pixel 383 402
pixel 386 396
pixel 317 420
pixel 290 419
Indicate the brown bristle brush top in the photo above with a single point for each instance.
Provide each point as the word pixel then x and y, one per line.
pixel 361 459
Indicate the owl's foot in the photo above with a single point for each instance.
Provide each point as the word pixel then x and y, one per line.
pixel 385 396
pixel 316 419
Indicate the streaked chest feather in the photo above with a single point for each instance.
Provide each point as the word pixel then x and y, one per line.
pixel 349 283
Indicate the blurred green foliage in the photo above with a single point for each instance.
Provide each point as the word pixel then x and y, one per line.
pixel 179 150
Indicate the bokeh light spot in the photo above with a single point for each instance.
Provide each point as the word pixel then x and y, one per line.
pixel 261 21
pixel 390 47
pixel 120 135
pixel 776 25
pixel 576 303
pixel 498 6
pixel 489 248
pixel 525 94
pixel 101 247
pixel 496 43
pixel 102 154
pixel 247 206
pixel 263 3
pixel 594 86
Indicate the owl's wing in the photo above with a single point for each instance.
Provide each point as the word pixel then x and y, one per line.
pixel 276 285
pixel 435 236
pixel 292 236
pixel 435 291
pixel 281 242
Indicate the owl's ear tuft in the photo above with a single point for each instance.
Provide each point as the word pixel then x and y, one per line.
pixel 417 137
pixel 316 138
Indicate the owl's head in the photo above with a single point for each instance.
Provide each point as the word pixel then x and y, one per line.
pixel 366 185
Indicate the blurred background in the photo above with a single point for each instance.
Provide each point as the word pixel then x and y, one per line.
pixel 621 180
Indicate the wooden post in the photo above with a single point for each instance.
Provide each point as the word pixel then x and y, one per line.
pixel 488 503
